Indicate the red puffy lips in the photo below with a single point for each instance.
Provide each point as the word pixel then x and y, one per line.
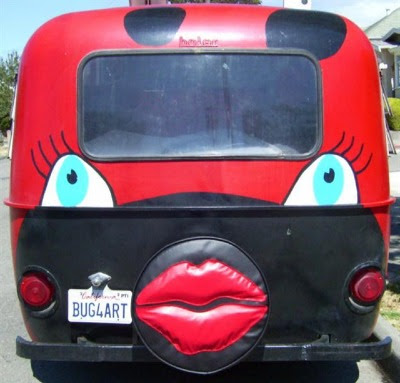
pixel 201 308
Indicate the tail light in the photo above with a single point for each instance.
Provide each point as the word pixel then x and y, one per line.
pixel 36 290
pixel 367 286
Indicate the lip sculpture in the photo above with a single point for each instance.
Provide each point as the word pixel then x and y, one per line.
pixel 201 308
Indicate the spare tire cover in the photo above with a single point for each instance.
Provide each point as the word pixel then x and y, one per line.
pixel 201 305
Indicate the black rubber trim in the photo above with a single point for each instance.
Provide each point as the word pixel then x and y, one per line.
pixel 155 206
pixel 90 352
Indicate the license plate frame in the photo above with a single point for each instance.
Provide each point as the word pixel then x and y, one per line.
pixel 100 306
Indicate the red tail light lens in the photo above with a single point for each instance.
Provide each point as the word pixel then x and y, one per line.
pixel 367 285
pixel 36 289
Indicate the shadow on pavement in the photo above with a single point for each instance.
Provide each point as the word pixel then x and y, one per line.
pixel 79 372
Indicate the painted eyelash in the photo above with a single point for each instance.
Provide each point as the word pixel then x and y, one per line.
pixel 58 153
pixel 344 153
pixel 69 150
pixel 36 165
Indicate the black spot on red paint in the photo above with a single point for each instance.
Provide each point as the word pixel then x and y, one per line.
pixel 320 33
pixel 155 26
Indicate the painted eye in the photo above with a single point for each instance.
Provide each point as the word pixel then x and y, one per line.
pixel 73 182
pixel 329 180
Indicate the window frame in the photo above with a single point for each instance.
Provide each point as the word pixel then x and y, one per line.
pixel 272 51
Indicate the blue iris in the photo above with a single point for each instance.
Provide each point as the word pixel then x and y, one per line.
pixel 328 180
pixel 72 181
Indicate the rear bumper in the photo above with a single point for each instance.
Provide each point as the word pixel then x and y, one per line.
pixel 93 352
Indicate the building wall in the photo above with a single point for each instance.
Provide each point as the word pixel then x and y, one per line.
pixel 388 78
pixel 297 4
pixel 397 72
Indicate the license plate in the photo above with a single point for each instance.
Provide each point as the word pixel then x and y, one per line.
pixel 99 306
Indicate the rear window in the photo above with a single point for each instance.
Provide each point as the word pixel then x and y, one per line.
pixel 190 105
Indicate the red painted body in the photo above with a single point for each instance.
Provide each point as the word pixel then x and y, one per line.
pixel 46 106
pixel 351 103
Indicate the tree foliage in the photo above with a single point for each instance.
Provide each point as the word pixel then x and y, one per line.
pixel 8 72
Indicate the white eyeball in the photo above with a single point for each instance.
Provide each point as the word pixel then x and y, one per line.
pixel 75 183
pixel 329 180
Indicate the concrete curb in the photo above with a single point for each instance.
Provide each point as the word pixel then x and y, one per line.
pixel 390 365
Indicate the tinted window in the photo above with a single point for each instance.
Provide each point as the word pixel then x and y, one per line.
pixel 199 105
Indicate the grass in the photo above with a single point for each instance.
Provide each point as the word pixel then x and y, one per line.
pixel 390 304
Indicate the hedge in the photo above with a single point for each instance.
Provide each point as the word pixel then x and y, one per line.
pixel 394 120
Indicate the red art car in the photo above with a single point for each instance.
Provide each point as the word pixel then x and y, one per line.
pixel 202 184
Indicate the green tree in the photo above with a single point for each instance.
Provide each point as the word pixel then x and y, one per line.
pixel 8 72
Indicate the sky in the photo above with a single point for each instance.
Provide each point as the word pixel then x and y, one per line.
pixel 20 18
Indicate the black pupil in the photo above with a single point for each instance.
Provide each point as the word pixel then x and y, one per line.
pixel 329 176
pixel 72 177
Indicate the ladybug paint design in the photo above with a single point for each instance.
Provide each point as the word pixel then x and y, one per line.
pixel 216 161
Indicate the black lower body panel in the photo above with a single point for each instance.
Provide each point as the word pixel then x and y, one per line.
pixel 305 255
